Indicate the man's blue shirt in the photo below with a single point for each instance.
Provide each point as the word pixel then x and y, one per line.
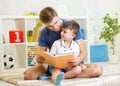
pixel 47 37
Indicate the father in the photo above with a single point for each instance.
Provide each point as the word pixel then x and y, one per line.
pixel 51 33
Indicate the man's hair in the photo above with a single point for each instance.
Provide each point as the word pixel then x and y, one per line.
pixel 72 25
pixel 47 14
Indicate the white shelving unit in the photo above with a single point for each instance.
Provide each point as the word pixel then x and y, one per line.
pixel 19 50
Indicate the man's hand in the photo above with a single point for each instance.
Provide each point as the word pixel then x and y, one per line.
pixel 39 59
pixel 74 62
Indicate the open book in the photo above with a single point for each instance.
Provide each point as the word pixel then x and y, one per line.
pixel 60 61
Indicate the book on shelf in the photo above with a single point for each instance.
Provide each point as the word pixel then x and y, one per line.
pixel 58 61
pixel 32 52
pixel 29 35
pixel 36 33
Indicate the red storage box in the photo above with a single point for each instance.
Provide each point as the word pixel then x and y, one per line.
pixel 16 36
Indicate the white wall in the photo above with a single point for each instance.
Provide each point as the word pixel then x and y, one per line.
pixel 75 7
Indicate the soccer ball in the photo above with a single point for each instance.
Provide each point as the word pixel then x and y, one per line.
pixel 9 61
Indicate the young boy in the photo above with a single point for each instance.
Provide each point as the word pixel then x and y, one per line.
pixel 66 45
pixel 51 33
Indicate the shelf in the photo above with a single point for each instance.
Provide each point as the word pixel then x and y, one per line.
pixel 32 43
pixel 20 50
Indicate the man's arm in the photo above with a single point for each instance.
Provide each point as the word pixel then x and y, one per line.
pixel 44 48
pixel 82 54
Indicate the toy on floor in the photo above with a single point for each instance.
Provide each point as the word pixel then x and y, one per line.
pixel 9 61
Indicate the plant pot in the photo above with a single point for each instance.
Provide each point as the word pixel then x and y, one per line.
pixel 114 58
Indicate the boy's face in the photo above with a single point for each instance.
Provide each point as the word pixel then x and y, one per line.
pixel 55 24
pixel 67 34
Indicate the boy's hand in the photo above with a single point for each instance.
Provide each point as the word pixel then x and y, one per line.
pixel 74 62
pixel 39 59
pixel 83 67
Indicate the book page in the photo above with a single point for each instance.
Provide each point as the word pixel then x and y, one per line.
pixel 60 61
pixel 47 56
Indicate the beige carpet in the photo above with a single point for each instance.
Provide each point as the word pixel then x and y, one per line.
pixel 107 79
pixel 110 77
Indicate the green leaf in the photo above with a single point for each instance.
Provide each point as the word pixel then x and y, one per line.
pixel 110 29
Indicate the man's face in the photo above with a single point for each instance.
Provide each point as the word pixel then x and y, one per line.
pixel 55 24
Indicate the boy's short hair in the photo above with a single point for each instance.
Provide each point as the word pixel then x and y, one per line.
pixel 47 14
pixel 72 25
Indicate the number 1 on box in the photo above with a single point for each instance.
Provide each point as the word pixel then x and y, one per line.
pixel 17 37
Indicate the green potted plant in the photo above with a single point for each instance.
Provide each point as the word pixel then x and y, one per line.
pixel 109 31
